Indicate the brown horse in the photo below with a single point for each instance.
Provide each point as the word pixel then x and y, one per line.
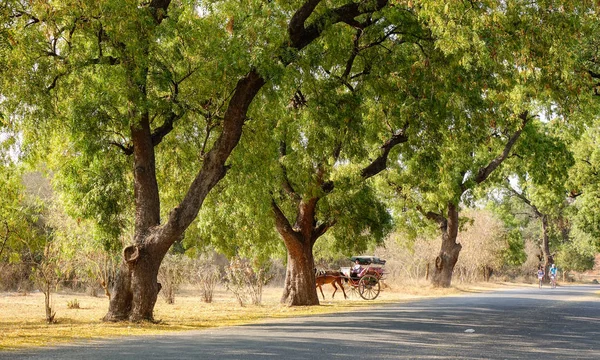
pixel 330 277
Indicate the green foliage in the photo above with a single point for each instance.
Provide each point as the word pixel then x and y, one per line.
pixel 540 167
pixel 493 62
pixel 514 252
pixel 23 230
pixel 583 182
pixel 77 76
pixel 362 221
pixel 100 67
pixel 571 257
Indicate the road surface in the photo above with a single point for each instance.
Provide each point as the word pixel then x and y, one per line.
pixel 527 323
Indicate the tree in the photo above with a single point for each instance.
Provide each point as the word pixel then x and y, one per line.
pixel 492 85
pixel 130 79
pixel 583 182
pixel 27 238
pixel 577 255
pixel 540 182
pixel 332 133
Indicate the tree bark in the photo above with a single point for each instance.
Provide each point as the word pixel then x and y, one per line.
pixel 546 248
pixel 448 255
pixel 136 287
pixel 299 288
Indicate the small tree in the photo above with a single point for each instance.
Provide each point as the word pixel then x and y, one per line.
pixel 172 274
pixel 246 281
pixel 578 254
pixel 207 277
pixel 49 269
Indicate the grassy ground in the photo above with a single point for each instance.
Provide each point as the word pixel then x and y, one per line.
pixel 22 317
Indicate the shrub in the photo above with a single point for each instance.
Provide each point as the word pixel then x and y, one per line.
pixel 245 282
pixel 208 276
pixel 171 275
pixel 73 304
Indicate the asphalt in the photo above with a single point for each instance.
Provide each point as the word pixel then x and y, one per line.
pixel 527 323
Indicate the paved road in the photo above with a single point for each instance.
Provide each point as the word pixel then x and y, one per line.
pixel 529 323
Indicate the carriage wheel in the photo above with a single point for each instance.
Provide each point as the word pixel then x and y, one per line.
pixel 368 287
pixel 351 290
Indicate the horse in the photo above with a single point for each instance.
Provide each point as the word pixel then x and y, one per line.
pixel 330 277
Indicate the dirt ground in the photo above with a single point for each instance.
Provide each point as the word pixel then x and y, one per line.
pixel 22 316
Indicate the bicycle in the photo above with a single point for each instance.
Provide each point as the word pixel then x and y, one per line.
pixel 540 275
pixel 553 281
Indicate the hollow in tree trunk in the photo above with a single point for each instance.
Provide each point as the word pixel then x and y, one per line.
pixel 136 286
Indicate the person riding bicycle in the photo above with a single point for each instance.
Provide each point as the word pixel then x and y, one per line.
pixel 553 274
pixel 540 275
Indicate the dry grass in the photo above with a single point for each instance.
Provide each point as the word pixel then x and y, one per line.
pixel 23 325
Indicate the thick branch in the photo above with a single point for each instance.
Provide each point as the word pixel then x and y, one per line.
pixel 321 229
pixel 525 200
pixel 433 216
pixel 159 9
pixel 159 133
pixel 380 163
pixel 439 218
pixel 104 60
pixel 302 35
pixel 281 221
pixel 127 150
pixel 353 55
pixel 213 168
pixel 574 194
pixel 485 172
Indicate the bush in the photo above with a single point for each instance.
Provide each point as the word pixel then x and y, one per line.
pixel 171 275
pixel 73 304
pixel 208 276
pixel 15 277
pixel 245 282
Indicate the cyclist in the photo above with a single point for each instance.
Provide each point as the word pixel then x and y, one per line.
pixel 553 273
pixel 540 275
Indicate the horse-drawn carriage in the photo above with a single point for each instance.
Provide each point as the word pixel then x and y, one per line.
pixel 364 278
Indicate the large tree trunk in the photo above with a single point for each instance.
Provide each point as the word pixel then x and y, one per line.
pixel 136 287
pixel 448 256
pixel 299 288
pixel 546 248
pixel 299 240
